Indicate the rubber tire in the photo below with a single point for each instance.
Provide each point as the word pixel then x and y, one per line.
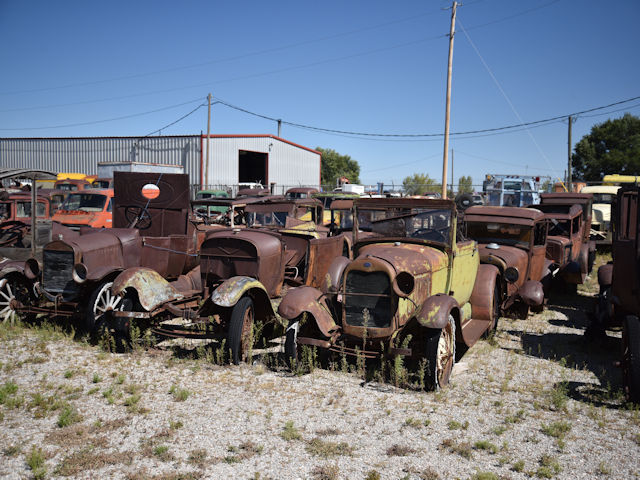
pixel 631 357
pixel 239 313
pixel 438 378
pixel 464 201
pixel 291 343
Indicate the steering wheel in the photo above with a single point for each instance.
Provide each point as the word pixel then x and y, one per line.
pixel 137 217
pixel 11 232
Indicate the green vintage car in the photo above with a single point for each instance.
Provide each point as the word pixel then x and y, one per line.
pixel 415 288
pixel 204 194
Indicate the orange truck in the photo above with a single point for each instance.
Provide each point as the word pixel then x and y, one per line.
pixel 86 208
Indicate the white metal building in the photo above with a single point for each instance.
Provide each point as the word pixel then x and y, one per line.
pixel 233 159
pixel 264 159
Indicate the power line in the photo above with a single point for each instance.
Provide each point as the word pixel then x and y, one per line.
pixel 423 135
pixel 105 120
pixel 176 121
pixel 261 52
pixel 229 59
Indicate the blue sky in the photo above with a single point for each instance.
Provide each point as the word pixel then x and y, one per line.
pixel 357 66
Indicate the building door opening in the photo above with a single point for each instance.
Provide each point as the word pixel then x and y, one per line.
pixel 252 167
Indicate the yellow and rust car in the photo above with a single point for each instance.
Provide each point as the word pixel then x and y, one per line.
pixel 414 288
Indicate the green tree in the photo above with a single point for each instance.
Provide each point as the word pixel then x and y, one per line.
pixel 334 166
pixel 465 184
pixel 419 184
pixel 611 147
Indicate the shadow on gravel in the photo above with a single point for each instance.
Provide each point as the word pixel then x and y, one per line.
pixel 596 395
pixel 573 350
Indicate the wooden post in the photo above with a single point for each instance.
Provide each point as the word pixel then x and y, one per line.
pixel 448 108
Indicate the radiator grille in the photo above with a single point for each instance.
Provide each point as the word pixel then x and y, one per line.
pixel 370 291
pixel 56 275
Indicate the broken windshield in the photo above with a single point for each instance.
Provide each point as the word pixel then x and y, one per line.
pixel 425 224
pixel 87 202
pixel 503 233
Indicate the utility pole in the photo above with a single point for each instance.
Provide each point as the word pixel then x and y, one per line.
pixel 206 166
pixel 279 127
pixel 448 108
pixel 571 120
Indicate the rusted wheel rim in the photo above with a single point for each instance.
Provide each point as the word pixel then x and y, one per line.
pixel 247 332
pixel 106 301
pixel 445 355
pixel 7 302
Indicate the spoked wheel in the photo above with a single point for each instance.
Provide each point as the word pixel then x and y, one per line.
pixel 101 303
pixel 631 357
pixel 441 353
pixel 240 335
pixel 14 292
pixel 291 343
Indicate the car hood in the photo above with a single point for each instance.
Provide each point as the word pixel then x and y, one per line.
pixel 505 256
pixel 407 257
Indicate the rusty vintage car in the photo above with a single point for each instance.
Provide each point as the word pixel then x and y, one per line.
pixel 415 288
pixel 514 240
pixel 585 200
pixel 242 276
pixel 619 302
pixel 86 208
pixel 565 243
pixel 77 269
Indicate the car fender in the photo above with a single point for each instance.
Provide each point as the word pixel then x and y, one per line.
pixel 152 289
pixel 435 311
pixel 605 276
pixel 12 266
pixel 334 274
pixel 311 300
pixel 532 293
pixel 483 289
pixel 232 290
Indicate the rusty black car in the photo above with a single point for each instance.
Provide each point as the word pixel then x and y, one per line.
pixel 77 270
pixel 513 239
pixel 242 276
pixel 619 303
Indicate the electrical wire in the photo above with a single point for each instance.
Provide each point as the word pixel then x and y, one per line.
pixel 176 121
pixel 504 94
pixel 419 135
pixel 231 58
pixel 260 52
pixel 105 120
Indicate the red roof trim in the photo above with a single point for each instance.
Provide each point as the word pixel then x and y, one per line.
pixel 265 135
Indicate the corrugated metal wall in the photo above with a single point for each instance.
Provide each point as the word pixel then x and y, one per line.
pixel 288 164
pixel 83 154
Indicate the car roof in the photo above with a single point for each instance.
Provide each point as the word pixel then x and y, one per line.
pixel 486 213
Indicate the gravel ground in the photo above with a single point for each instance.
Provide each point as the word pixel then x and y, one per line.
pixel 535 401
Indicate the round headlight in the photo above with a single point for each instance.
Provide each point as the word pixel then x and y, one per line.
pixel 79 273
pixel 404 284
pixel 31 269
pixel 511 274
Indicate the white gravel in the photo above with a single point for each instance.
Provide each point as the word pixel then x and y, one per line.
pixel 500 395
